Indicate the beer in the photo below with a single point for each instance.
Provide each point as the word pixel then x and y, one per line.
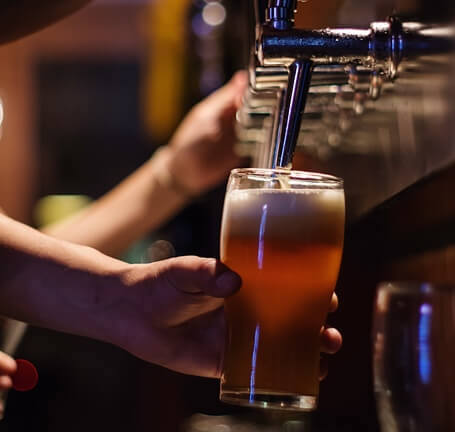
pixel 286 244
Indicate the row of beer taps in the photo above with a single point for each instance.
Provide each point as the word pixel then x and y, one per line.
pixel 289 66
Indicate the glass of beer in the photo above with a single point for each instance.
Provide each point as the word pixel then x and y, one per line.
pixel 282 232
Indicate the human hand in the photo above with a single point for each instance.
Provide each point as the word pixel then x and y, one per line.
pixel 202 148
pixel 7 369
pixel 331 340
pixel 177 319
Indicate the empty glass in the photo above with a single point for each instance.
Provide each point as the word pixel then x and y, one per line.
pixel 414 357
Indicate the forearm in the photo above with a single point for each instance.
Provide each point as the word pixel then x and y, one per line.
pixel 139 204
pixel 58 285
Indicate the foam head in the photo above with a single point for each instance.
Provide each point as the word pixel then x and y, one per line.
pixel 313 215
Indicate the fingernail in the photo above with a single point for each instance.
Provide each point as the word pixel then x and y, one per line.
pixel 228 282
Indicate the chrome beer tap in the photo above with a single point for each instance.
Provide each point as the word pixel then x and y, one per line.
pixel 288 63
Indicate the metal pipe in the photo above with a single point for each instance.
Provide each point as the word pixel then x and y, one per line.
pixel 387 42
pixel 291 112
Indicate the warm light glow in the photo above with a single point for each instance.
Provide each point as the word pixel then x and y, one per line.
pixel 441 32
pixel 214 14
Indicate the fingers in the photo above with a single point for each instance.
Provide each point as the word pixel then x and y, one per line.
pixel 201 346
pixel 331 340
pixel 236 85
pixel 227 99
pixel 7 367
pixel 5 382
pixel 240 80
pixel 333 303
pixel 7 364
pixel 202 276
pixel 187 287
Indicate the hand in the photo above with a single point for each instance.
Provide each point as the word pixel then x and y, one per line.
pixel 178 320
pixel 7 369
pixel 331 340
pixel 203 145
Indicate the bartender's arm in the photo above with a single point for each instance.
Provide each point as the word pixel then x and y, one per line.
pixel 168 313
pixel 198 157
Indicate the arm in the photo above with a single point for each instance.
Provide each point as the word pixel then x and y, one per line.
pixel 169 313
pixel 139 204
pixel 51 283
pixel 198 157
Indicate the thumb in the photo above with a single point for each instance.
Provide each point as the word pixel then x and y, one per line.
pixel 194 275
pixel 187 287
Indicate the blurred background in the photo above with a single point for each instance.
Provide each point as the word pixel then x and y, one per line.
pixel 88 100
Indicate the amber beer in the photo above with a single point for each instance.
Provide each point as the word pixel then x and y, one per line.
pixel 283 233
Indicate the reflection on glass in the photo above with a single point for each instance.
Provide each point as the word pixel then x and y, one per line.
pixel 414 357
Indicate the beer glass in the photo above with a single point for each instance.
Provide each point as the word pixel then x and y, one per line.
pixel 414 357
pixel 282 232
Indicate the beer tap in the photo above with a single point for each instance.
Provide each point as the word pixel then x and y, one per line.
pixel 286 63
pixel 291 86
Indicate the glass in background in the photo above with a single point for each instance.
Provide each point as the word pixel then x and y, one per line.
pixel 414 357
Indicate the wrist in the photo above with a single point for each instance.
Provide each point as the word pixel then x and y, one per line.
pixel 165 174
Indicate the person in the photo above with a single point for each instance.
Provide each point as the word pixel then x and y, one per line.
pixel 169 312
pixel 7 369
pixel 198 157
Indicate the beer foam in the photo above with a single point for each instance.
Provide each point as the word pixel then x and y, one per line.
pixel 314 213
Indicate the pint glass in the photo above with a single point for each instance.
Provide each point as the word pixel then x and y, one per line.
pixel 282 232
